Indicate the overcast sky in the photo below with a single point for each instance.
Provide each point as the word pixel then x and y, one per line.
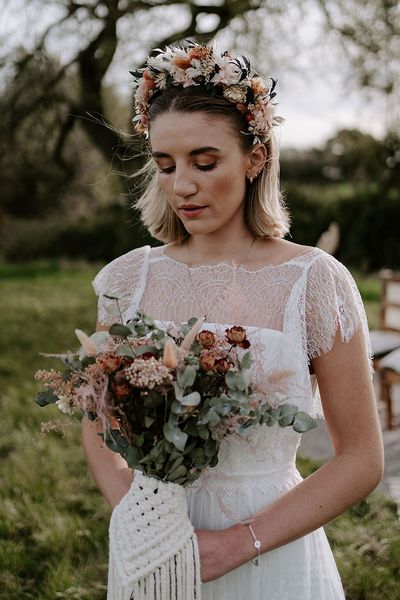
pixel 312 93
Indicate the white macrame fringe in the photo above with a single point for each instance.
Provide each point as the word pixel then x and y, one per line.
pixel 176 579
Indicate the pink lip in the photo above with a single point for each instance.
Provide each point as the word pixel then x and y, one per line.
pixel 191 210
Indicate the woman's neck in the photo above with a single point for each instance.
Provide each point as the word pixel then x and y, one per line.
pixel 213 249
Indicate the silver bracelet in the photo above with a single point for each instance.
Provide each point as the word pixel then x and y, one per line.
pixel 257 543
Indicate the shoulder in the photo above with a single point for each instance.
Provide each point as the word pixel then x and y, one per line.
pixel 111 278
pixel 327 268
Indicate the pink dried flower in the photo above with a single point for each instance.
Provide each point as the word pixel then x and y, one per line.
pixel 148 373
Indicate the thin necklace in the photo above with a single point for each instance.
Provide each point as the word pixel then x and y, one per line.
pixel 220 293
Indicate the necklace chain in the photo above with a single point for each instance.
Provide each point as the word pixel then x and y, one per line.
pixel 219 294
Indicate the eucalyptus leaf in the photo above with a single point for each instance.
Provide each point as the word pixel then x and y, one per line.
pixel 100 337
pixel 177 473
pixel 120 330
pixel 303 422
pixel 46 397
pixel 114 440
pixel 175 435
pixel 246 361
pixel 179 391
pixel 125 350
pixel 148 421
pixel 148 320
pixel 133 456
pixel 242 380
pixel 192 399
pixel 287 413
pixel 177 408
pixel 173 464
pixel 186 378
pixel 203 433
pixel 230 380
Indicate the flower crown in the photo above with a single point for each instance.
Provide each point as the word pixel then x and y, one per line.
pixel 222 75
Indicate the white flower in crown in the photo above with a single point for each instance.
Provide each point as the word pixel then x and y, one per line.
pixel 183 77
pixel 235 93
pixel 161 79
pixel 158 63
pixel 229 73
pixel 263 113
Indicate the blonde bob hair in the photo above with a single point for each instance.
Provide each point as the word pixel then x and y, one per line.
pixel 265 212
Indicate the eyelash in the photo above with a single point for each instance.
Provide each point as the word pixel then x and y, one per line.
pixel 169 170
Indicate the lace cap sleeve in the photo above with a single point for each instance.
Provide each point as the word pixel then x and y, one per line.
pixel 333 304
pixel 123 278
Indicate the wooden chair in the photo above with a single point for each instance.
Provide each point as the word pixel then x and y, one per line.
pixel 386 341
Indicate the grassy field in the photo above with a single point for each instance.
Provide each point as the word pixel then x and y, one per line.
pixel 53 522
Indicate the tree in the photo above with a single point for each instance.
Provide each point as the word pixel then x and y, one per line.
pixel 369 32
pixel 100 22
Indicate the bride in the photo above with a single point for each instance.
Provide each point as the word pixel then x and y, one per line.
pixel 213 199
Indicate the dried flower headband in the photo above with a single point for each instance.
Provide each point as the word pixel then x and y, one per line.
pixel 197 64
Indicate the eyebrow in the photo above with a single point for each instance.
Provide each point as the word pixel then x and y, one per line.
pixel 193 152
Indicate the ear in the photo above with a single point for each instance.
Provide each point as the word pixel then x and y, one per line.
pixel 257 158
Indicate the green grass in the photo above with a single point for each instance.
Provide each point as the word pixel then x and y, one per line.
pixel 53 521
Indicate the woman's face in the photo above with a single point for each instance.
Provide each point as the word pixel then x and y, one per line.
pixel 201 169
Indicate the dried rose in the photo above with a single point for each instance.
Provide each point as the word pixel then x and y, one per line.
pixel 223 365
pixel 109 362
pixel 206 338
pixel 207 360
pixel 236 334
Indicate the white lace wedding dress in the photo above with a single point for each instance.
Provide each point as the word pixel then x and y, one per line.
pixel 291 312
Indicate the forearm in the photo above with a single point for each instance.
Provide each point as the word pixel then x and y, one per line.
pixel 110 472
pixel 327 493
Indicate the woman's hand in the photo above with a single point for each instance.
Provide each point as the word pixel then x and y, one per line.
pixel 222 551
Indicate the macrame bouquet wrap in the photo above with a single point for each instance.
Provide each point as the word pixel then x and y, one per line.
pixel 153 547
pixel 164 400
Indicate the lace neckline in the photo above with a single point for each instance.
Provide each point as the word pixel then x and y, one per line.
pixel 301 254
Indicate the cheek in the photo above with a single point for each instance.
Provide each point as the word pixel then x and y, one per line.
pixel 229 187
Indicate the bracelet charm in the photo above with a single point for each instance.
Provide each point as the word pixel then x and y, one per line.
pixel 257 543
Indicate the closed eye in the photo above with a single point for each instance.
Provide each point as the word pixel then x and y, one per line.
pixel 200 167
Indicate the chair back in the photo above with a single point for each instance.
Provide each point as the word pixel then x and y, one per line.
pixel 390 301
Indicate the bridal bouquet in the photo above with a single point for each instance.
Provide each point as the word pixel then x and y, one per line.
pixel 164 402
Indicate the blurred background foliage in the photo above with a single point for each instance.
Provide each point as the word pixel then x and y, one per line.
pixel 64 175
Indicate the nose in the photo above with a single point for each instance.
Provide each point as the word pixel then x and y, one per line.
pixel 184 184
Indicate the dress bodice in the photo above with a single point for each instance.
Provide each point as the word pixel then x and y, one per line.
pixel 304 302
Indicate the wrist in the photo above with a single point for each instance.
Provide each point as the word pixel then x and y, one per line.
pixel 240 542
